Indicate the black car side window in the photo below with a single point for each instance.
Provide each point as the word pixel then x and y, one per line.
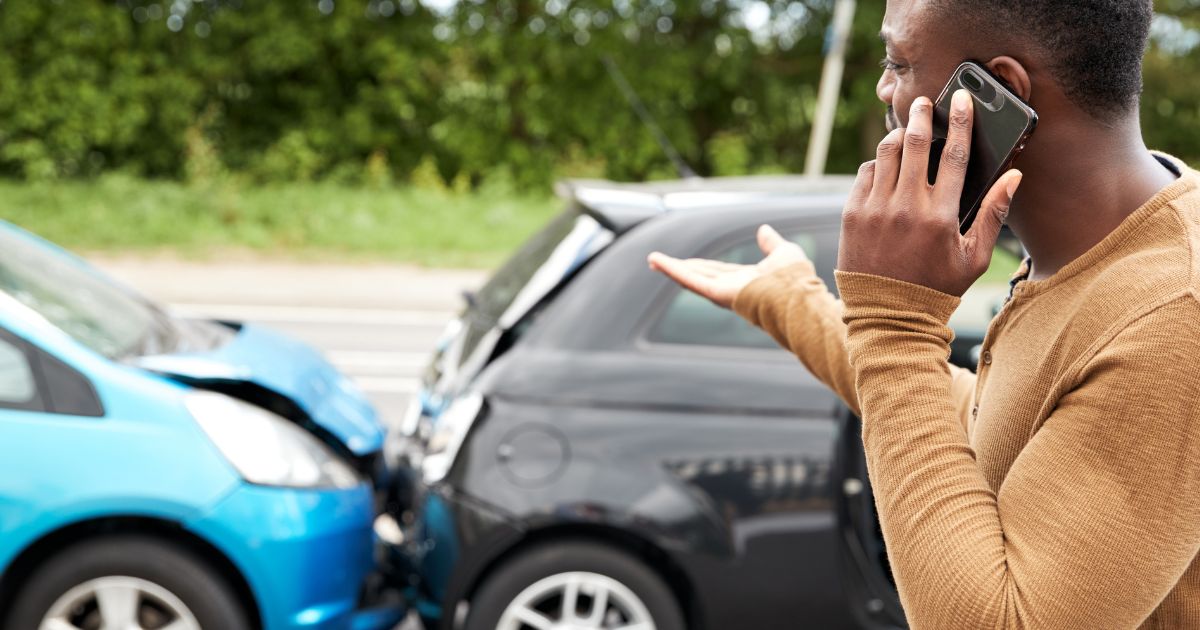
pixel 693 320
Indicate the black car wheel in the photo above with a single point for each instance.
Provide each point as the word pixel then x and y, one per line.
pixel 128 582
pixel 574 585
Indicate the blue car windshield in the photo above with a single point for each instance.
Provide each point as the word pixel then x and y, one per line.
pixel 87 306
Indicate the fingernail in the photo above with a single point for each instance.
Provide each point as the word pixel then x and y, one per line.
pixel 1014 183
pixel 961 100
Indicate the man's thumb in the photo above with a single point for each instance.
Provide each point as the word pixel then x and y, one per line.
pixel 994 212
pixel 769 239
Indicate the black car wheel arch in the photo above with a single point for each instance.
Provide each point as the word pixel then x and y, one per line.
pixel 618 539
pixel 639 583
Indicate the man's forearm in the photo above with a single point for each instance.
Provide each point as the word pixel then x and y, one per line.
pixel 795 307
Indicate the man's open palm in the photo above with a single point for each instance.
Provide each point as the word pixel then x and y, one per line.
pixel 719 281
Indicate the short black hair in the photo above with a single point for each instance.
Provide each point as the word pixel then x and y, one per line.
pixel 1094 47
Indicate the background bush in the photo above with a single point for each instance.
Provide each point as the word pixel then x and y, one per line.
pixel 379 91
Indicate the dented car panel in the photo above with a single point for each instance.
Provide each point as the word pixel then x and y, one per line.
pixel 626 412
pixel 719 460
pixel 259 356
pixel 103 435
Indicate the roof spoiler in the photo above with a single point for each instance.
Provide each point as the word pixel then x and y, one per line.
pixel 616 209
pixel 620 207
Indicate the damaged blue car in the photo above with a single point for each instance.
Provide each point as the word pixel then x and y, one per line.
pixel 160 472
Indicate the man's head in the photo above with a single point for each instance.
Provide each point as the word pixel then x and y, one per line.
pixel 1078 56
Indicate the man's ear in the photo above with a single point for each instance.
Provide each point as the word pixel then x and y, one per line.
pixel 1014 74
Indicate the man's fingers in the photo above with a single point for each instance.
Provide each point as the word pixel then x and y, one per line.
pixel 769 239
pixel 712 268
pixel 887 162
pixel 698 266
pixel 683 273
pixel 862 185
pixel 957 154
pixel 986 229
pixel 918 137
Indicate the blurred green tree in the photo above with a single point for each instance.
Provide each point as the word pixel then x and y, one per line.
pixel 512 92
pixel 85 90
pixel 1171 100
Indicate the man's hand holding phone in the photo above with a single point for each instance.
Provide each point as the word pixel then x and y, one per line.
pixel 897 225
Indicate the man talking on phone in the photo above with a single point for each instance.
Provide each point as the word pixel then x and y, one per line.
pixel 1058 486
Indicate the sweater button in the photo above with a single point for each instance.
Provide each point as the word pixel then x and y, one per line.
pixel 987 357
pixel 975 411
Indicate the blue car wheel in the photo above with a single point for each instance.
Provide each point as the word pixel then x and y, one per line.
pixel 127 582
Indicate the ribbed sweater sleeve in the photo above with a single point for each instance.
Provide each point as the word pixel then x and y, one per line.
pixel 794 306
pixel 1097 518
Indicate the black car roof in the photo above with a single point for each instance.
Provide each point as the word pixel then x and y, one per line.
pixel 621 206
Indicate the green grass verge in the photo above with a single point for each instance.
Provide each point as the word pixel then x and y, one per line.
pixel 301 221
pixel 316 221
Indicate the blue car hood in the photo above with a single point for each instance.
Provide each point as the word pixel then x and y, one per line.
pixel 289 368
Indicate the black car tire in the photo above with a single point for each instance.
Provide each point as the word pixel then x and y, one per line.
pixel 181 573
pixel 504 584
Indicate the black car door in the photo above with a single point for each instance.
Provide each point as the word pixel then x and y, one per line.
pixel 764 436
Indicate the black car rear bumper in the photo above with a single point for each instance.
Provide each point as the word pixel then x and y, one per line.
pixel 436 543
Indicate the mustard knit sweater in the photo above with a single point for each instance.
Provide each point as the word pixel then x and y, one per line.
pixel 1057 488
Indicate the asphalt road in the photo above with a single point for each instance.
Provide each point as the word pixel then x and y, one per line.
pixel 375 323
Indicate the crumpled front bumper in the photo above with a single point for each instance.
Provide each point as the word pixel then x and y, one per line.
pixel 307 556
pixel 435 541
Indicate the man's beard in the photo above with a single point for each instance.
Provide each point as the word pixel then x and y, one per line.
pixel 890 121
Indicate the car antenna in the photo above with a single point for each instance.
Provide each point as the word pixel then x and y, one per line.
pixel 639 108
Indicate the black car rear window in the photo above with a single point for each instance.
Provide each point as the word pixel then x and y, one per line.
pixel 502 288
pixel 538 267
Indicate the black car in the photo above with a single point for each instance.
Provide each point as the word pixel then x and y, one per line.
pixel 595 448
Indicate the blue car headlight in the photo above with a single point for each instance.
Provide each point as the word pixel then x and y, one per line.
pixel 267 449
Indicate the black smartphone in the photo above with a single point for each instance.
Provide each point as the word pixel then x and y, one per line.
pixel 1003 124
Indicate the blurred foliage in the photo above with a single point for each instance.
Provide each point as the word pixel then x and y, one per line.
pixel 477 91
pixel 1171 100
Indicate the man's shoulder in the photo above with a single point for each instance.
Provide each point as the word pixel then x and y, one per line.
pixel 1187 204
pixel 1158 260
pixel 1184 216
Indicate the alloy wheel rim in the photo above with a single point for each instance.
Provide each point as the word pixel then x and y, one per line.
pixel 576 600
pixel 118 603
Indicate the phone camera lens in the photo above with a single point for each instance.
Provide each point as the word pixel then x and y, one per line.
pixel 972 82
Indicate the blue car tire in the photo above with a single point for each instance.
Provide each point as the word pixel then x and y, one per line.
pixel 132 581
pixel 577 584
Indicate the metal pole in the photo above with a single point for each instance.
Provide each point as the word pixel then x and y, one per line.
pixel 831 85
